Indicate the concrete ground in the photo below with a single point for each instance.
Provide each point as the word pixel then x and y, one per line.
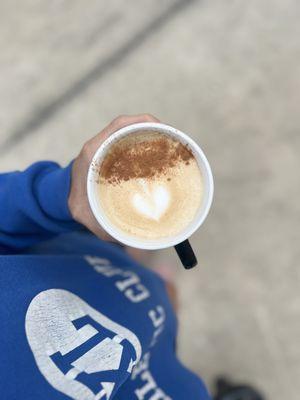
pixel 227 73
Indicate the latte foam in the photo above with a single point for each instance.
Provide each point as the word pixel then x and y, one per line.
pixel 150 186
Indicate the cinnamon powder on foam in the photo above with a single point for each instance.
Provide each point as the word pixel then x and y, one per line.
pixel 142 159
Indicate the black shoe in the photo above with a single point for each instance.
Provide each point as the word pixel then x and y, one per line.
pixel 225 390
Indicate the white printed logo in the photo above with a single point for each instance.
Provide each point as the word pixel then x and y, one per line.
pixel 80 351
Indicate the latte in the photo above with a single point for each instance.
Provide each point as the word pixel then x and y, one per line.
pixel 150 185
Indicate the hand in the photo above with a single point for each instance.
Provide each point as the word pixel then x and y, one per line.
pixel 78 201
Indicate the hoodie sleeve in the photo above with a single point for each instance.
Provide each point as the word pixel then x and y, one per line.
pixel 34 205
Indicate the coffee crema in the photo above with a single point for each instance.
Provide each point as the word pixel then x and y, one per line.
pixel 150 185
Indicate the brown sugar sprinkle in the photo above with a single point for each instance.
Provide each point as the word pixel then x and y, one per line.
pixel 142 159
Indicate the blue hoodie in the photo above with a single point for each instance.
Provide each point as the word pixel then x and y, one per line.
pixel 80 319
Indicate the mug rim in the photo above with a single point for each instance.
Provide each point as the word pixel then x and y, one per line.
pixel 127 239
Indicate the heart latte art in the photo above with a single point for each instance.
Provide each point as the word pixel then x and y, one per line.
pixel 150 186
pixel 151 203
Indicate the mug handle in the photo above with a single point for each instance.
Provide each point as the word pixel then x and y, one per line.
pixel 186 254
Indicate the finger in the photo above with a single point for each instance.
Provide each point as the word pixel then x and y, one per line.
pixel 121 122
pixel 124 120
pixel 101 233
pixel 96 228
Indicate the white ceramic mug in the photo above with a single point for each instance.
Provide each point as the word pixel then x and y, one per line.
pixel 95 201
